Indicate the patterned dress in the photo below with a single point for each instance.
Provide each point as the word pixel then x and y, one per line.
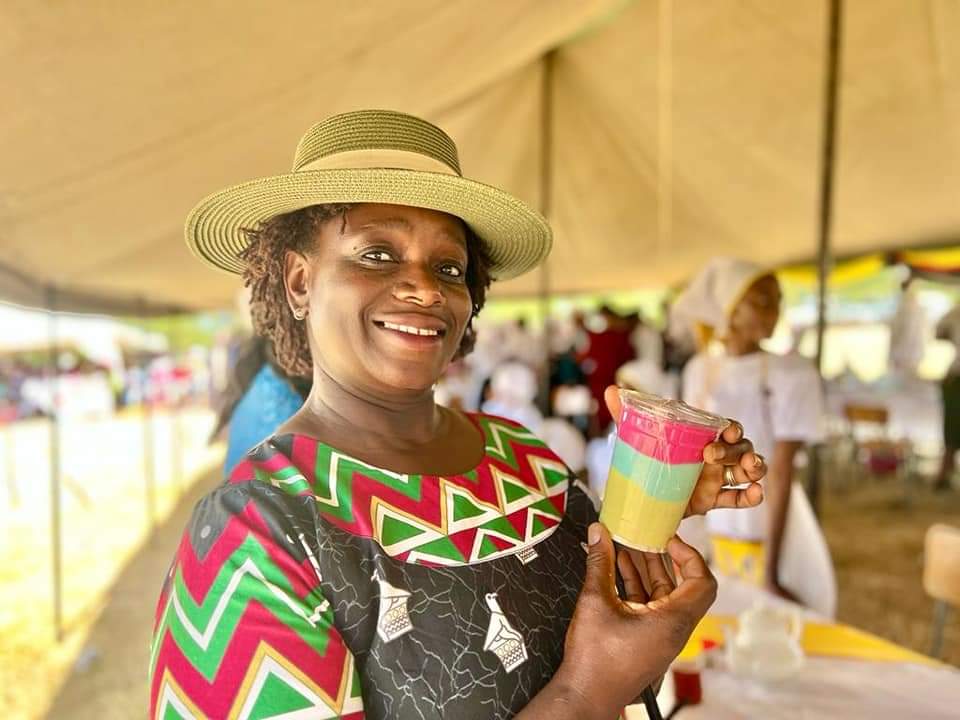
pixel 313 585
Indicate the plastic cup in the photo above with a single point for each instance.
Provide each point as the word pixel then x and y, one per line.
pixel 657 459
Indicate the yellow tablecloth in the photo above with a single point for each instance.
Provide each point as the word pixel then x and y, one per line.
pixel 819 638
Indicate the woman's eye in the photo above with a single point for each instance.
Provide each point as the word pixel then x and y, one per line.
pixel 378 256
pixel 451 270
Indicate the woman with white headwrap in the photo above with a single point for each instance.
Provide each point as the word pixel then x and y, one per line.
pixel 778 399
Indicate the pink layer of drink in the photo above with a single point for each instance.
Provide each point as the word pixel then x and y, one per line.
pixel 667 441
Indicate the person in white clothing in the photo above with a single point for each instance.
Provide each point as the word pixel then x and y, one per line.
pixel 779 401
pixel 908 333
pixel 949 329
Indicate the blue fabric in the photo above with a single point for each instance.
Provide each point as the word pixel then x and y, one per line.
pixel 268 402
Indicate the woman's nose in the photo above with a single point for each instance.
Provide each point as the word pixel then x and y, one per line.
pixel 419 285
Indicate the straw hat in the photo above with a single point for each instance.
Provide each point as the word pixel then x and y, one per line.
pixel 376 156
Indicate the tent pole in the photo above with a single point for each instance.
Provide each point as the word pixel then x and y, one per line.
pixel 175 429
pixel 146 416
pixel 546 191
pixel 827 169
pixel 665 127
pixel 56 529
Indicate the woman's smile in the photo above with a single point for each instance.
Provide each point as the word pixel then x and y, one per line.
pixel 419 331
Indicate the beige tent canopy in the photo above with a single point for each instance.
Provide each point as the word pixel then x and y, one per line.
pixel 678 129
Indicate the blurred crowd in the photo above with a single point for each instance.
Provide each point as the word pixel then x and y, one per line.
pixel 552 379
pixel 84 388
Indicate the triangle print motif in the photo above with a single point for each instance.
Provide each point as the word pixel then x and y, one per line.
pixel 552 475
pixel 488 545
pixel 394 530
pixel 277 697
pixel 479 515
pixel 464 510
pixel 276 690
pixel 399 532
pixel 513 493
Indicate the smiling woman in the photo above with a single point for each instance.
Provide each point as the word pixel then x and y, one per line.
pixel 297 231
pixel 381 556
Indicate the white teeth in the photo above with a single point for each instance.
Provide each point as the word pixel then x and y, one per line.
pixel 410 329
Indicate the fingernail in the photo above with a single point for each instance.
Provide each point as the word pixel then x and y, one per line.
pixel 719 452
pixel 757 460
pixel 593 533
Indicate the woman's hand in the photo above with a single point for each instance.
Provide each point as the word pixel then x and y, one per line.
pixel 732 451
pixel 617 646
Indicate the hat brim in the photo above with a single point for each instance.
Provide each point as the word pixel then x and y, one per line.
pixel 515 237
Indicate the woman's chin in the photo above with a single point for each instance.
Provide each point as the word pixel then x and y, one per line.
pixel 406 379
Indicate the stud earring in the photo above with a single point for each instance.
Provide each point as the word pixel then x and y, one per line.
pixel 299 314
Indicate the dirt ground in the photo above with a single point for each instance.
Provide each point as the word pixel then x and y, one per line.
pixel 106 508
pixel 112 684
pixel 876 538
pixel 99 672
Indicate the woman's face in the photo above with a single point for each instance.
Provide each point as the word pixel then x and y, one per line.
pixel 755 316
pixel 387 296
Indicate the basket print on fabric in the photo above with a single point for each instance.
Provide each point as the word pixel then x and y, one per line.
pixel 394 619
pixel 502 640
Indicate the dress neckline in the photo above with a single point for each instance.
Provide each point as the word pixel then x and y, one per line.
pixel 472 417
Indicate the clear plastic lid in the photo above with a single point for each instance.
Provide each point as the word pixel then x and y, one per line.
pixel 674 411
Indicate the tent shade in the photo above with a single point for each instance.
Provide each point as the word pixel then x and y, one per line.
pixel 119 117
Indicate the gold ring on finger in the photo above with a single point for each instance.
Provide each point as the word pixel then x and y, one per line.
pixel 729 479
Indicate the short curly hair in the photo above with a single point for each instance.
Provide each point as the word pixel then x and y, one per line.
pixel 264 273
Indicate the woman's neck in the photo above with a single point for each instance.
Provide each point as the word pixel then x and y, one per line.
pixel 737 346
pixel 338 412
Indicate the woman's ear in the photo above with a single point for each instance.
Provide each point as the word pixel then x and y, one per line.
pixel 296 280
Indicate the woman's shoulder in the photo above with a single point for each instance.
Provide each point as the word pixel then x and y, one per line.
pixel 283 462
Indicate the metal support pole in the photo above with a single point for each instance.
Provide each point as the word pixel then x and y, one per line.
pixel 56 529
pixel 936 629
pixel 149 461
pixel 830 112
pixel 546 192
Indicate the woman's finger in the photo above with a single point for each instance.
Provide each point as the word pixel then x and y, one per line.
pixel 690 562
pixel 600 579
pixel 699 588
pixel 661 584
pixel 748 497
pixel 721 453
pixel 611 396
pixel 632 582
pixel 740 475
pixel 732 433
pixel 754 466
